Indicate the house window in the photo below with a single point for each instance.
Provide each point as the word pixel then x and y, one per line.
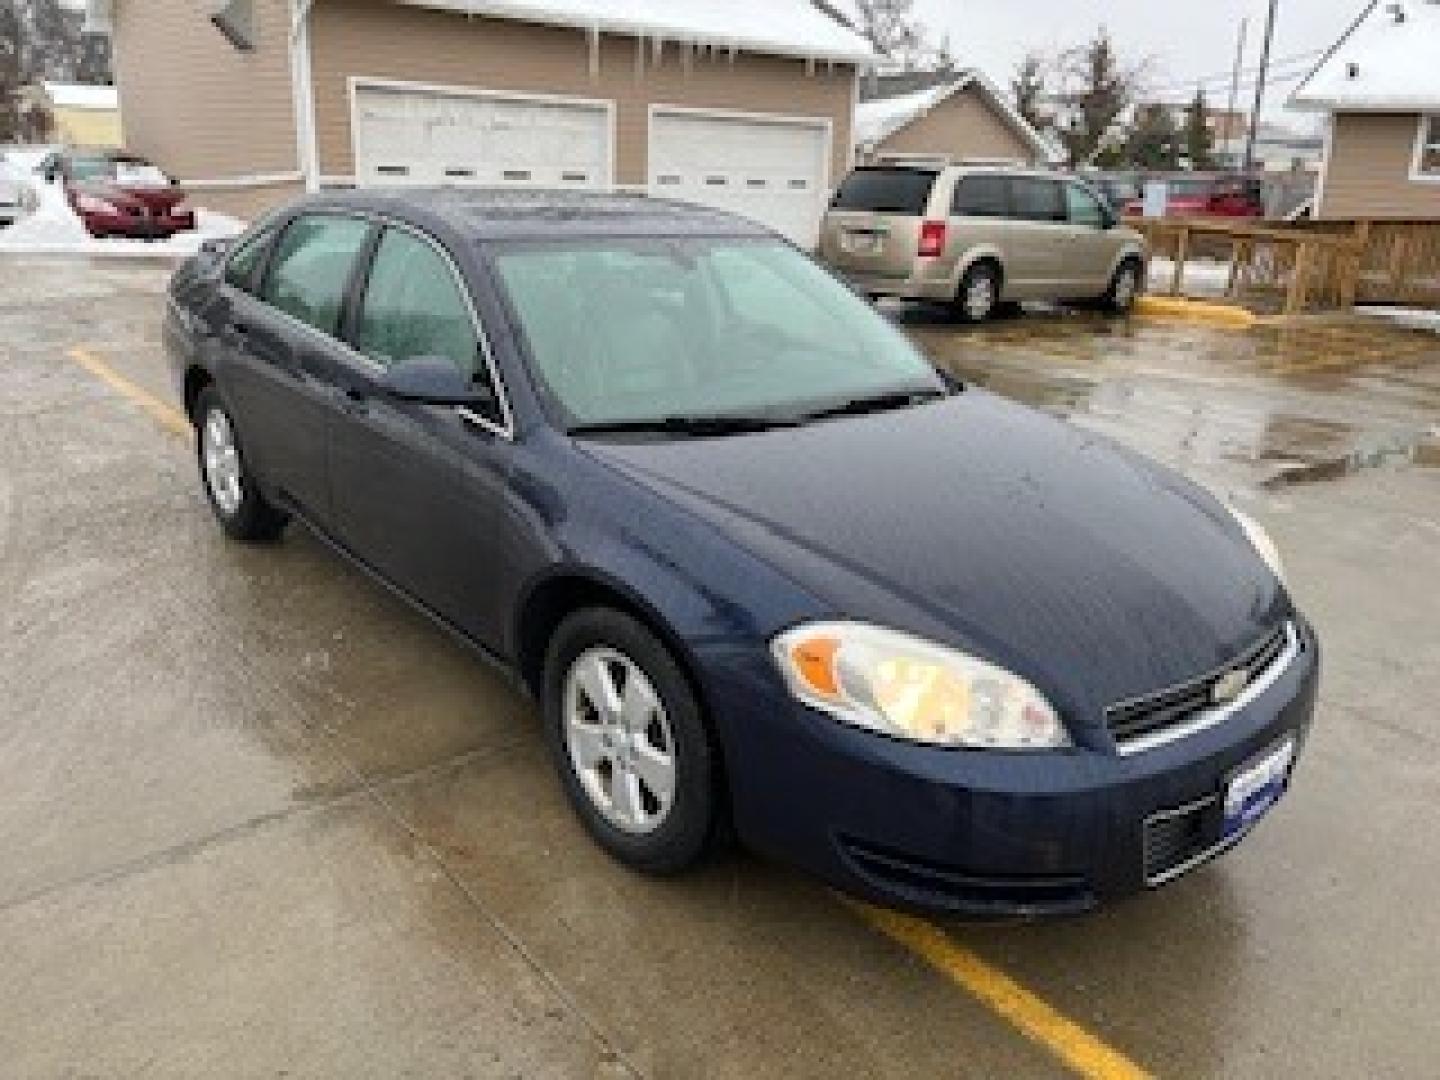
pixel 1427 149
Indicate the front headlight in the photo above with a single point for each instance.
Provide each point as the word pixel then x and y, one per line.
pixel 1261 542
pixel 899 685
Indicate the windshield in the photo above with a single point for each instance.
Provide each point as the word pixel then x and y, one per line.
pixel 643 330
pixel 129 172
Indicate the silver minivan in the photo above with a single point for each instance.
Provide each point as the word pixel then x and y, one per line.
pixel 978 236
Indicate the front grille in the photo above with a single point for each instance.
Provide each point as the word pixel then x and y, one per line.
pixel 1133 720
pixel 1176 839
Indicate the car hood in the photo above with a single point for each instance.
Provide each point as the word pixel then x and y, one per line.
pixel 1094 573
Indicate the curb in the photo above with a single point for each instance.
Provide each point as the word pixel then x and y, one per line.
pixel 1180 309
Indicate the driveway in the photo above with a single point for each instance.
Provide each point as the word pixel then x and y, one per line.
pixel 257 818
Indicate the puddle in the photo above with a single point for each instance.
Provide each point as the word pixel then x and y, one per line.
pixel 1421 448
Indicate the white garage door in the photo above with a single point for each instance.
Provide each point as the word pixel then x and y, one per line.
pixel 774 170
pixel 416 135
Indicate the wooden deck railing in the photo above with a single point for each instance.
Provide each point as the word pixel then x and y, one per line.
pixel 1308 265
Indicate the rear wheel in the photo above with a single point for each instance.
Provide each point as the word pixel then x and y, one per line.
pixel 628 739
pixel 233 494
pixel 1124 288
pixel 979 292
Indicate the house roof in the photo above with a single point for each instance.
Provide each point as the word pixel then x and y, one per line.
pixel 1386 61
pixel 778 27
pixel 876 121
pixel 72 96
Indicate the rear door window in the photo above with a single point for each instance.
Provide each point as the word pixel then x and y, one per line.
pixel 1038 199
pixel 310 272
pixel 886 191
pixel 982 196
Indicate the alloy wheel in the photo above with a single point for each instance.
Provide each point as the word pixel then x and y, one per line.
pixel 619 740
pixel 223 474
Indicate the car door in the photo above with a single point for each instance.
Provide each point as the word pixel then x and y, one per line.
pixel 1039 231
pixel 1091 249
pixel 418 488
pixel 278 350
pixel 980 217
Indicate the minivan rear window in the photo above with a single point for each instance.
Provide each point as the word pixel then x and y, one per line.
pixel 886 191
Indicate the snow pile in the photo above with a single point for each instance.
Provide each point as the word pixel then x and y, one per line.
pixel 1203 277
pixel 76 96
pixel 876 121
pixel 55 229
pixel 777 27
pixel 1393 60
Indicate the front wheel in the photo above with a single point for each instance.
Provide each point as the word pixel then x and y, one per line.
pixel 234 496
pixel 629 741
pixel 1124 288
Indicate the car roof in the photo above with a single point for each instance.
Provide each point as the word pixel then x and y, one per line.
pixel 543 214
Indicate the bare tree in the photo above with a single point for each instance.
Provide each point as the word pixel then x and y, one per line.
pixel 891 27
pixel 1029 87
pixel 40 39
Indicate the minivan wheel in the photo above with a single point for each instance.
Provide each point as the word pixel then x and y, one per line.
pixel 233 495
pixel 979 293
pixel 1124 288
pixel 629 741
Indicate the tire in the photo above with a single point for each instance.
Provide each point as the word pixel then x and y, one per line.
pixel 979 293
pixel 1125 287
pixel 664 836
pixel 233 495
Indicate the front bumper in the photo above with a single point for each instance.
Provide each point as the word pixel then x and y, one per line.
pixel 138 226
pixel 986 833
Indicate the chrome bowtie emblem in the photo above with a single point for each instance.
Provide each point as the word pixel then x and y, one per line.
pixel 1229 686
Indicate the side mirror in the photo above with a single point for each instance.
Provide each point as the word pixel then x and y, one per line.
pixel 435 380
pixel 216 246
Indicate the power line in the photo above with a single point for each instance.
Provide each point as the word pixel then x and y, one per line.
pixel 1279 62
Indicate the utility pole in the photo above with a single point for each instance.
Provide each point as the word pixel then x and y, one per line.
pixel 1260 85
pixel 1230 118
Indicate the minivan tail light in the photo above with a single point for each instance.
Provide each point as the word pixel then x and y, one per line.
pixel 932 239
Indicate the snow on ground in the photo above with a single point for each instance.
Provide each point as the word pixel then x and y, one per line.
pixel 1203 277
pixel 55 229
pixel 1410 318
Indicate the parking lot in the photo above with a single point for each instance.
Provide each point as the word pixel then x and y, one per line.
pixel 258 818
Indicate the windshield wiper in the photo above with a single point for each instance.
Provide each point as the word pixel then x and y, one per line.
pixel 886 401
pixel 683 425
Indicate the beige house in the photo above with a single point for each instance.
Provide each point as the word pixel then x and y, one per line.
pixel 1380 89
pixel 963 119
pixel 744 105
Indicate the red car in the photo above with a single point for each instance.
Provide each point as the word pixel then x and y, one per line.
pixel 120 194
pixel 1195 195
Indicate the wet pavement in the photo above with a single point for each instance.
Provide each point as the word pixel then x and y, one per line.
pixel 257 818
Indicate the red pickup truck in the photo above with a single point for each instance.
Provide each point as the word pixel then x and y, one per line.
pixel 1196 195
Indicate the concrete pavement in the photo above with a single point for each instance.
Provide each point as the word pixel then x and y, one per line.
pixel 257 818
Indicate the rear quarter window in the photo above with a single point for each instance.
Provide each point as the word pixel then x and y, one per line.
pixel 886 191
pixel 982 196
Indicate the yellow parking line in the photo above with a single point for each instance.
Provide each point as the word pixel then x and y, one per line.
pixel 163 413
pixel 1081 1051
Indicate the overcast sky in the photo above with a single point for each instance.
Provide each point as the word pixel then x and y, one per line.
pixel 1187 39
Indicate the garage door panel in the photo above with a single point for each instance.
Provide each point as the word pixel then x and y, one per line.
pixel 419 136
pixel 772 170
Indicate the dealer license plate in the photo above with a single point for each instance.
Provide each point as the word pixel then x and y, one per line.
pixel 1256 788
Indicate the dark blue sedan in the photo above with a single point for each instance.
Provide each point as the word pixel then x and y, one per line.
pixel 765 570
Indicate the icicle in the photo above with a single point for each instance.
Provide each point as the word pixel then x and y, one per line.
pixel 730 53
pixel 685 48
pixel 594 53
pixel 640 58
pixel 810 65
pixel 659 53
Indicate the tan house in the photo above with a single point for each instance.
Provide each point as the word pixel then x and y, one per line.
pixel 1380 89
pixel 744 105
pixel 962 119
